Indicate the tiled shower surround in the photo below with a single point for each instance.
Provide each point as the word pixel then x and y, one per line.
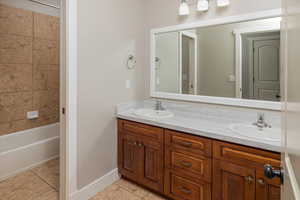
pixel 29 69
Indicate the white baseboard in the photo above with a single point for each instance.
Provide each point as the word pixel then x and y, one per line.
pixel 26 157
pixel 92 189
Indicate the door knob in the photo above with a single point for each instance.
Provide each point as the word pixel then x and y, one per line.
pixel 271 173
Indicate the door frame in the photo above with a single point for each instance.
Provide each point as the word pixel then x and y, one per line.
pixel 68 99
pixel 195 38
pixel 288 107
pixel 268 27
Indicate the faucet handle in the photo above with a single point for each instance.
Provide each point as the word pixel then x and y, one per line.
pixel 158 105
pixel 260 116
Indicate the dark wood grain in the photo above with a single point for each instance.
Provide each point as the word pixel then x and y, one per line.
pixel 267 189
pixel 247 156
pixel 179 187
pixel 233 182
pixel 193 144
pixel 187 167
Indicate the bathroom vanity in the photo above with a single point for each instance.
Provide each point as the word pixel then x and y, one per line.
pixel 204 151
pixel 178 160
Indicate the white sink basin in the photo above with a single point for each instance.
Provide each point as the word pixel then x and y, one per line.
pixel 251 131
pixel 154 114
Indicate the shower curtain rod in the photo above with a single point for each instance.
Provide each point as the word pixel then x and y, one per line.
pixel 45 4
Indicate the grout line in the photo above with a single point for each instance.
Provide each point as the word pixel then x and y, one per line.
pixel 133 192
pixel 32 80
pixel 44 180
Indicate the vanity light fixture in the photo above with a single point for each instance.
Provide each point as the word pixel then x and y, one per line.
pixel 184 8
pixel 223 3
pixel 202 5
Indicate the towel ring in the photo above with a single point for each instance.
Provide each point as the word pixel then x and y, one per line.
pixel 131 62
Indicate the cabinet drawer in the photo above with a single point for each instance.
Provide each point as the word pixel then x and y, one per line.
pixel 245 155
pixel 178 187
pixel 147 131
pixel 192 144
pixel 196 167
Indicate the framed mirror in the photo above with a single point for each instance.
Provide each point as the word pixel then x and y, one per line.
pixel 232 61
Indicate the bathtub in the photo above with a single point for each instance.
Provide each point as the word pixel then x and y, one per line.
pixel 23 150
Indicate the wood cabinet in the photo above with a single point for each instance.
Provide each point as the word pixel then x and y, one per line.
pixel 179 187
pixel 233 182
pixel 238 173
pixel 140 154
pixel 267 189
pixel 186 167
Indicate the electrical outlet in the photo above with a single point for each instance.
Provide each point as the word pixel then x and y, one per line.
pixel 33 114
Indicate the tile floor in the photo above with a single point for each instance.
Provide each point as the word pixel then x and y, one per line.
pixel 39 183
pixel 42 183
pixel 125 190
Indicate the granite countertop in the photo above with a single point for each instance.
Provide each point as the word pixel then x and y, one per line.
pixel 205 120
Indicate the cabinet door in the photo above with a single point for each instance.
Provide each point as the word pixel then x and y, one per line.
pixel 129 156
pixel 233 182
pixel 267 189
pixel 152 175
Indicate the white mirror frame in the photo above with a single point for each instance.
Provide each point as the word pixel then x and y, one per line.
pixel 211 99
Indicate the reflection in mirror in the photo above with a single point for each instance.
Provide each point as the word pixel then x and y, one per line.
pixel 238 60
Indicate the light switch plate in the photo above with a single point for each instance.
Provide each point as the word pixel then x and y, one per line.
pixel 33 114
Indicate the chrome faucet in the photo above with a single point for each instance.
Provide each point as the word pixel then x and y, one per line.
pixel 159 106
pixel 261 121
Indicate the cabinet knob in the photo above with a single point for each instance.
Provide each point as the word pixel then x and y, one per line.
pixel 249 179
pixel 261 181
pixel 135 143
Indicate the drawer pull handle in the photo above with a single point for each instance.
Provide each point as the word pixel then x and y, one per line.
pixel 261 181
pixel 249 179
pixel 186 164
pixel 185 190
pixel 186 144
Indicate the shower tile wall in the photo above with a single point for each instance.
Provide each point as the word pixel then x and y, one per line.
pixel 29 69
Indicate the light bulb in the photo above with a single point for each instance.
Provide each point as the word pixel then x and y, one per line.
pixel 202 5
pixel 223 3
pixel 184 8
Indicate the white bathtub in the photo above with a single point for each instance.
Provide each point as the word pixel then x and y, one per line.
pixel 23 150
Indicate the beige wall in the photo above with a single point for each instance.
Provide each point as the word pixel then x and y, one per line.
pixel 29 69
pixel 109 30
pixel 160 13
